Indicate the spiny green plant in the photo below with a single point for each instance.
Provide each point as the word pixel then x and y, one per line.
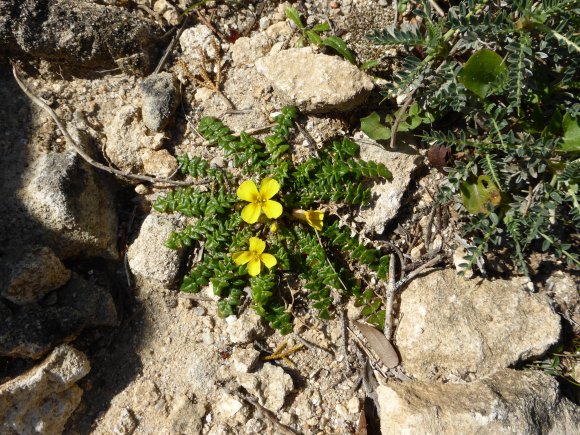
pixel 257 243
pixel 507 75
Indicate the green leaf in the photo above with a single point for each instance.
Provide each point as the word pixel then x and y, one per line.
pixel 571 134
pixel 476 196
pixel 321 27
pixel 482 71
pixel 338 45
pixel 294 16
pixel 313 37
pixel 370 64
pixel 372 127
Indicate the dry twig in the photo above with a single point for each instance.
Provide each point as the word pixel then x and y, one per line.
pixel 206 81
pixel 394 287
pixel 171 45
pixel 82 153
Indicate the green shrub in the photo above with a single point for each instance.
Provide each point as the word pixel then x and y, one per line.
pixel 507 77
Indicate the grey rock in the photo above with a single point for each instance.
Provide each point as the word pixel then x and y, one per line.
pixel 66 31
pixel 42 400
pixel 149 258
pixel 388 195
pixel 32 276
pixel 73 204
pixel 160 99
pixel 313 82
pixel 94 302
pixel 508 402
pixel 453 329
pixel 31 331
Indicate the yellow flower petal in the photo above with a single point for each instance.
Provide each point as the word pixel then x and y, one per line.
pixel 254 267
pixel 242 257
pixel 251 213
pixel 269 260
pixel 314 219
pixel 257 246
pixel 272 209
pixel 268 188
pixel 248 191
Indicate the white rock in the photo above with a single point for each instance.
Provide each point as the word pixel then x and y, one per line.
pixel 457 329
pixel 246 50
pixel 228 406
pixel 128 141
pixel 158 163
pixel 42 400
pixel 315 82
pixel 402 162
pixel 197 38
pixel 245 359
pixel 276 384
pixel 264 23
pixel 245 328
pixel 508 402
pixel 353 405
pixel 149 258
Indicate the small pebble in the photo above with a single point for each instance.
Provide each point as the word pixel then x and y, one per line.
pixel 264 23
pixel 353 405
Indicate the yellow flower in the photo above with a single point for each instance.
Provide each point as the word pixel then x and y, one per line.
pixel 313 218
pixel 255 256
pixel 259 201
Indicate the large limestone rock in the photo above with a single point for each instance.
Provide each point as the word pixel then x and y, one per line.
pixel 509 402
pixel 65 31
pixel 75 208
pixel 388 195
pixel 313 82
pixel 453 329
pixel 42 400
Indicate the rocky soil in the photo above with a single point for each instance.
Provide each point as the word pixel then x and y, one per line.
pixel 94 335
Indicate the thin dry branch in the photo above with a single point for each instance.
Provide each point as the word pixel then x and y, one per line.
pixel 80 151
pixel 394 287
